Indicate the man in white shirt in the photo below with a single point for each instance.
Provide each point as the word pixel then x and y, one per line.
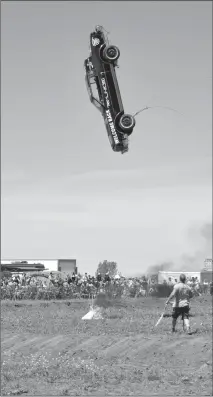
pixel 170 282
pixel 205 286
pixel 189 283
pixel 182 294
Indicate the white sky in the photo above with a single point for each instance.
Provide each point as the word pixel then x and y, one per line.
pixel 64 192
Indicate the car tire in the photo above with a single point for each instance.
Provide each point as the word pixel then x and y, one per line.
pixel 126 123
pixel 111 53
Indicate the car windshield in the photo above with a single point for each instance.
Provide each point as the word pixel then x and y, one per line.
pixel 93 90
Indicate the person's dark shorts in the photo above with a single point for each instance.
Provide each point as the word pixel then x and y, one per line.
pixel 181 311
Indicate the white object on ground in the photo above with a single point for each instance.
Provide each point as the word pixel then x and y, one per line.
pixel 94 313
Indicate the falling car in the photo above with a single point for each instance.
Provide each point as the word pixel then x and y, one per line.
pixel 100 72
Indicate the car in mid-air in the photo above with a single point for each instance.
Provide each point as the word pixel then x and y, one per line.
pixel 100 74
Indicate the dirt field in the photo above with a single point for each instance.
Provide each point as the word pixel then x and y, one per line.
pixel 48 350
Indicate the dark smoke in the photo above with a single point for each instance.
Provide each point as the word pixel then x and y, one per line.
pixel 206 233
pixel 163 267
pixel 201 238
pixel 201 242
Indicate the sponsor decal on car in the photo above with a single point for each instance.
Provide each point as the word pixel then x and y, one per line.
pixel 108 113
pixel 103 81
pixel 95 41
pixel 112 127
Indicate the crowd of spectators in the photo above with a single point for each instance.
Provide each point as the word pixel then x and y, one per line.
pixel 194 283
pixel 75 284
pixel 85 286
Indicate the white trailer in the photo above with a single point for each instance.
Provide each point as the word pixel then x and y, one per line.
pixel 164 276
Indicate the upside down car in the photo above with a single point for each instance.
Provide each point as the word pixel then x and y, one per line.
pixel 100 72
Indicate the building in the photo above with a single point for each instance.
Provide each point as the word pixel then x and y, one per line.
pixel 208 265
pixel 40 265
pixel 206 272
pixel 67 265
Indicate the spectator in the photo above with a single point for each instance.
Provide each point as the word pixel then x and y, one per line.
pixel 51 278
pixel 89 278
pixel 170 282
pixel 197 285
pixel 77 278
pixel 107 277
pixel 99 278
pixel 189 282
pixel 145 284
pixel 84 278
pixel 27 282
pixel 205 286
pixel 21 277
pixel 23 281
pixel 16 280
pixel 10 283
pixel 60 281
pixel 73 277
pixel 69 279
pixel 193 282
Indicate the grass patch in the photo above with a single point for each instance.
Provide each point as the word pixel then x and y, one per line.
pixel 48 350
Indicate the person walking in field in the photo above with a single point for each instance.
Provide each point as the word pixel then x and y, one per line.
pixel 182 294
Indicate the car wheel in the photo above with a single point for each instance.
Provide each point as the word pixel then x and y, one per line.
pixel 111 53
pixel 126 123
